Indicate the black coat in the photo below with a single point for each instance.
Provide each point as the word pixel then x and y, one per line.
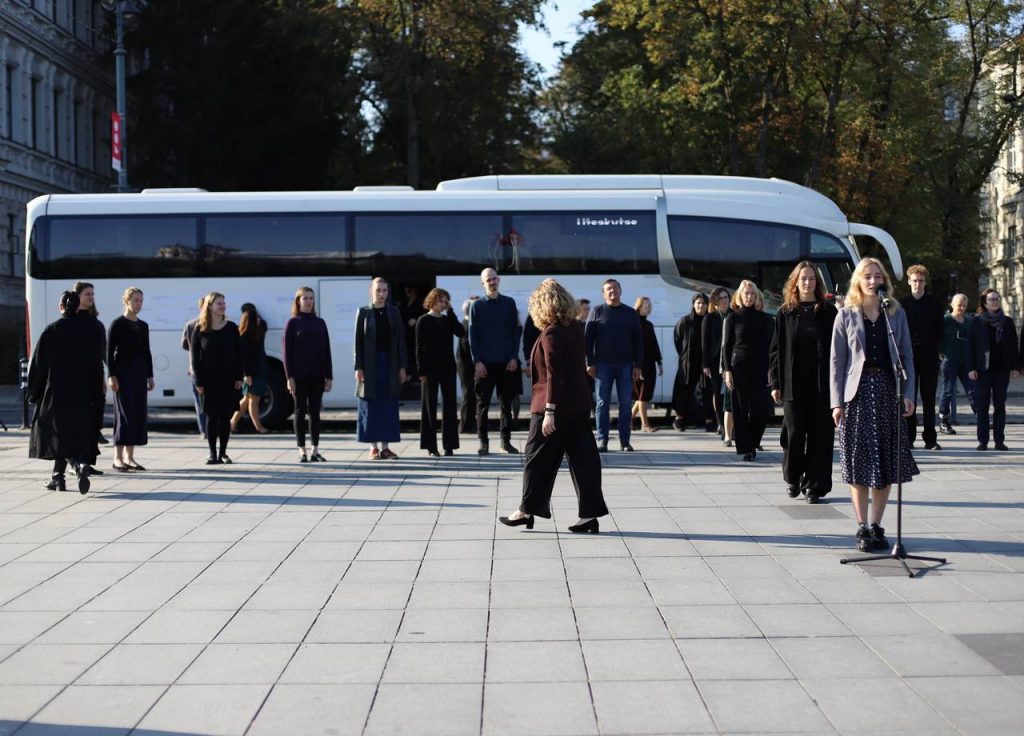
pixel 711 341
pixel 366 350
pixel 782 353
pixel 65 382
pixel 687 338
pixel 978 347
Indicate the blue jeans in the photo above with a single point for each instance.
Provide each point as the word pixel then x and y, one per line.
pixel 621 375
pixel 949 373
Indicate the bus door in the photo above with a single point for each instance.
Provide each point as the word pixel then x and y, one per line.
pixel 338 302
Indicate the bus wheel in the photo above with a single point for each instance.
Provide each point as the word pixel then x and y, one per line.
pixel 277 404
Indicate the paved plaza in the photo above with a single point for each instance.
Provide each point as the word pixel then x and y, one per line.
pixel 380 597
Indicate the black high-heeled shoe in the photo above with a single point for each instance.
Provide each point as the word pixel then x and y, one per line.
pixel 591 527
pixel 527 520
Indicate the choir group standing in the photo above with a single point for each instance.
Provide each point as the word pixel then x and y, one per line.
pixel 829 369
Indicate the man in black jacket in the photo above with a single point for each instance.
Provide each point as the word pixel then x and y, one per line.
pixel 924 317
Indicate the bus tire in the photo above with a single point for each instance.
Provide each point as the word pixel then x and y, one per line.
pixel 277 404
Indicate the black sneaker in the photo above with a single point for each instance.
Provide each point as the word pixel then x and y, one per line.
pixel 212 460
pixel 878 540
pixel 602 446
pixel 946 428
pixel 627 447
pixel 793 490
pixel 864 541
pixel 509 448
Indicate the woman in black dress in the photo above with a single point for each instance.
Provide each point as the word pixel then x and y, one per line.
pixel 643 390
pixel 992 359
pixel 130 366
pixel 252 329
pixel 435 360
pixel 216 355
pixel 380 364
pixel 746 335
pixel 799 361
pixel 711 356
pixel 689 371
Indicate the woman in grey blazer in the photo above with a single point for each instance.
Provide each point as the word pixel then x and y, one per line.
pixel 863 398
pixel 380 364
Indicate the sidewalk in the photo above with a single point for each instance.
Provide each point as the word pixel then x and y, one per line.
pixel 380 597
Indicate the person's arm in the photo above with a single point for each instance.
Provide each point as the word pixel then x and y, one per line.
pixel 328 360
pixel 195 356
pixel 456 326
pixel 113 342
pixel 516 337
pixel 677 336
pixel 776 363
pixel 728 339
pixel 555 365
pixel 637 333
pixel 657 347
pixel 421 346
pixel 236 353
pixel 590 337
pixel 357 347
pixel 288 349
pixel 39 368
pixel 148 353
pixel 906 349
pixel 185 337
pixel 475 334
pixel 838 367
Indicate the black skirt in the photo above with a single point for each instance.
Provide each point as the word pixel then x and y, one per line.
pixel 867 435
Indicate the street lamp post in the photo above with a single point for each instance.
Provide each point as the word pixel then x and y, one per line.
pixel 121 8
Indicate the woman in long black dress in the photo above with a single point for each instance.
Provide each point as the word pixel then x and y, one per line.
pixel 65 383
pixel 746 335
pixel 216 355
pixel 130 367
pixel 689 373
pixel 799 360
pixel 380 364
pixel 711 356
pixel 643 390
pixel 992 359
pixel 435 361
pixel 252 329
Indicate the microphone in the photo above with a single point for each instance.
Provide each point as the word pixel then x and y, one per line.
pixel 883 297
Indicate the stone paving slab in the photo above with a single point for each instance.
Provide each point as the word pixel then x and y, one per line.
pixel 381 597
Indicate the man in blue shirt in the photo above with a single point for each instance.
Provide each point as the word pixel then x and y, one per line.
pixel 494 334
pixel 614 357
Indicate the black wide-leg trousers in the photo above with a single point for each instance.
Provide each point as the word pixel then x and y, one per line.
pixel 574 438
pixel 428 413
pixel 808 439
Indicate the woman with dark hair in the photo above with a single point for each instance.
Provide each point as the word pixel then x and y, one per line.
pixel 992 359
pixel 711 356
pixel 689 372
pixel 130 365
pixel 252 330
pixel 863 397
pixel 799 365
pixel 65 381
pixel 308 368
pixel 746 334
pixel 380 365
pixel 216 355
pixel 559 415
pixel 87 307
pixel 650 369
pixel 435 361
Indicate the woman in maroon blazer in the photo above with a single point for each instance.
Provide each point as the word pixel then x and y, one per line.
pixel 559 414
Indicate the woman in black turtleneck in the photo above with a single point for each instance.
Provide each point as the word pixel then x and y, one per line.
pixel 799 360
pixel 690 373
pixel 746 334
pixel 992 359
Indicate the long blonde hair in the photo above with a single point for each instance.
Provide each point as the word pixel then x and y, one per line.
pixel 205 315
pixel 855 295
pixel 129 293
pixel 551 303
pixel 737 296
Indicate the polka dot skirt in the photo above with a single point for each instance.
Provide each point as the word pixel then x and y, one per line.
pixel 867 436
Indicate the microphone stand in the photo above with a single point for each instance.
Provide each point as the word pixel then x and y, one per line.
pixel 899 552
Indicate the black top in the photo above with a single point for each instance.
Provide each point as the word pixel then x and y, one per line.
pixel 746 334
pixel 806 344
pixel 254 353
pixel 383 343
pixel 876 344
pixel 306 348
pixel 924 318
pixel 652 351
pixel 216 356
pixel 984 353
pixel 127 342
pixel 434 335
pixel 711 341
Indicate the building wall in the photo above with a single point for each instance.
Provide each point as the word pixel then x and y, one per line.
pixel 56 96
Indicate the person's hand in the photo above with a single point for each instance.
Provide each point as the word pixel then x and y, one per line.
pixel 328 385
pixel 548 427
pixel 1015 375
pixel 661 371
pixel 150 384
pixel 512 365
pixel 837 416
pixel 291 386
pixel 423 379
pixel 402 375
pixel 973 375
pixel 908 407
pixel 360 376
pixel 707 372
pixel 238 385
pixel 592 371
pixel 200 390
pixel 727 377
pixel 247 380
pixel 114 385
pixel 777 396
pixel 412 323
pixel 481 370
pixel 638 374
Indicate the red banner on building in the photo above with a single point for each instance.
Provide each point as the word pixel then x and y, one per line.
pixel 115 141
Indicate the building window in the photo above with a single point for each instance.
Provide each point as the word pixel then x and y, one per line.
pixel 33 113
pixel 9 101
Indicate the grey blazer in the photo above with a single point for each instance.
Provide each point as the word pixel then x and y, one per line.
pixel 848 353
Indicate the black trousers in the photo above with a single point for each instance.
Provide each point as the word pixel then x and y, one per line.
pixel 990 390
pixel 309 397
pixel 218 428
pixel 749 405
pixel 808 437
pixel 926 383
pixel 714 387
pixel 573 438
pixel 685 403
pixel 428 415
pixel 467 409
pixel 506 384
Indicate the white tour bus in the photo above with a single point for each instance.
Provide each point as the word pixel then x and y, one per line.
pixel 664 237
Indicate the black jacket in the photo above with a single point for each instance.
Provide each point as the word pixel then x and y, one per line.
pixel 711 341
pixel 978 347
pixel 782 353
pixel 687 339
pixel 924 317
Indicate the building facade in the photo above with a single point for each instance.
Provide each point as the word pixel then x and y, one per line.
pixel 1002 233
pixel 56 97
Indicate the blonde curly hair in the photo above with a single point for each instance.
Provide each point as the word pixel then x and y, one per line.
pixel 550 304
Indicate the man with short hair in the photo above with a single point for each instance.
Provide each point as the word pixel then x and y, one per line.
pixel 494 334
pixel 614 358
pixel 924 317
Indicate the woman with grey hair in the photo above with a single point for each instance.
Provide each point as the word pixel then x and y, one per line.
pixel 953 351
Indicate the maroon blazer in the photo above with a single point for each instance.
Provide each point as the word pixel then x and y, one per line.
pixel 558 367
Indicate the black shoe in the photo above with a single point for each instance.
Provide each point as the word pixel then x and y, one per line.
pixel 1001 447
pixel 102 440
pixel 793 490
pixel 748 457
pixel 813 497
pixel 316 457
pixel 448 452
pixel 522 521
pixel 679 426
pixel 878 540
pixel 121 468
pixel 627 447
pixel 57 483
pixel 509 448
pixel 213 460
pixel 602 446
pixel 225 459
pixel 484 448
pixel 933 446
pixel 433 453
pixel 864 541
pixel 982 446
pixel 303 459
pixel 83 478
pixel 97 471
pixel 946 428
pixel 591 527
